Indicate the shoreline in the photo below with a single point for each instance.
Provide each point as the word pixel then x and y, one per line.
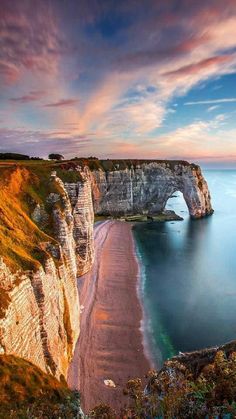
pixel 111 345
pixel 145 328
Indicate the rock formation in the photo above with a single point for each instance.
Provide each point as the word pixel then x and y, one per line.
pixel 146 187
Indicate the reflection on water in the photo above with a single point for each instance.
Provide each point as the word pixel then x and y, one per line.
pixel 190 273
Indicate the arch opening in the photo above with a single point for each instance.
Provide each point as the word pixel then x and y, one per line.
pixel 177 203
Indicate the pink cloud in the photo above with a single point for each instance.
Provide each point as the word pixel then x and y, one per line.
pixel 201 65
pixel 9 72
pixel 62 103
pixel 30 97
pixel 30 39
pixel 42 143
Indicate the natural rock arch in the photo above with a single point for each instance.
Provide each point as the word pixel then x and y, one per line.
pixel 145 189
pixel 176 203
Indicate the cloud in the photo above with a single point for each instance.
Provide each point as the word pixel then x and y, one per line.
pixel 30 97
pixel 41 143
pixel 201 65
pixel 62 103
pixel 172 57
pixel 129 61
pixel 188 140
pixel 30 40
pixel 9 72
pixel 213 108
pixel 211 101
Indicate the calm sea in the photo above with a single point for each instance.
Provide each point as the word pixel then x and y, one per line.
pixel 188 268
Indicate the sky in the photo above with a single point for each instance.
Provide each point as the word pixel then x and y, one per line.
pixel 119 79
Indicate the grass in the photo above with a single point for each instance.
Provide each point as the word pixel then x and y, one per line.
pixel 65 168
pixel 21 189
pixel 27 392
pixel 20 238
pixel 22 242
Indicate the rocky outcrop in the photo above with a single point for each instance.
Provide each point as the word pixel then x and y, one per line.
pixel 146 187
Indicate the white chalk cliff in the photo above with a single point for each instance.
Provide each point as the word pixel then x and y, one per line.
pixel 145 189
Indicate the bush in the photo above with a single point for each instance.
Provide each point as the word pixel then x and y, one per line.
pixel 199 385
pixel 13 156
pixel 53 156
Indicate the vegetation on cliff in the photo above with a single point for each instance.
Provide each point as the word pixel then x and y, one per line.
pixel 24 243
pixel 22 187
pixel 20 238
pixel 27 392
pixel 201 385
pixel 196 385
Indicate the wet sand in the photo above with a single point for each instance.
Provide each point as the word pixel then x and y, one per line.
pixel 110 343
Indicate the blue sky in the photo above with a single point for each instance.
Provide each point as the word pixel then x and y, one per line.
pixel 140 79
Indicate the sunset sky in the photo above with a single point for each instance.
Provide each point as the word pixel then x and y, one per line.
pixel 119 79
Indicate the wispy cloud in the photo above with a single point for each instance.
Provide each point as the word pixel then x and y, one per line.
pixel 211 101
pixel 30 40
pixel 30 97
pixel 201 65
pixel 213 108
pixel 41 142
pixel 62 103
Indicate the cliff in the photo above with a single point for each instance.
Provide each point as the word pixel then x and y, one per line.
pixel 144 188
pixel 46 240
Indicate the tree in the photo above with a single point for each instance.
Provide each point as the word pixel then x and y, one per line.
pixel 13 156
pixel 53 156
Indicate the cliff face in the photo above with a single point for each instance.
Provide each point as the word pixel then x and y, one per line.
pixel 40 316
pixel 41 320
pixel 145 189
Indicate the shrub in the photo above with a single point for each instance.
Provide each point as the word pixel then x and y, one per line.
pixel 53 156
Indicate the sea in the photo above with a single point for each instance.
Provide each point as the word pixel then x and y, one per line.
pixel 188 274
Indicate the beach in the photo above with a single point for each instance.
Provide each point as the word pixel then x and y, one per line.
pixel 110 346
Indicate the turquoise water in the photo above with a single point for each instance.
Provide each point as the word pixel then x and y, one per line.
pixel 189 274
